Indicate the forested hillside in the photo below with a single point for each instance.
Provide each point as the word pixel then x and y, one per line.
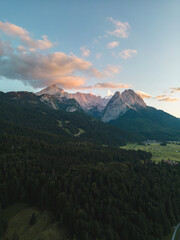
pixel 94 192
pixel 27 115
pixel 150 123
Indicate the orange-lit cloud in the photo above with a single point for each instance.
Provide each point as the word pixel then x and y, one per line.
pixel 143 94
pixel 40 69
pixel 168 99
pixel 177 89
pixel 85 52
pixel 121 29
pixel 112 44
pixel 161 96
pixel 24 36
pixel 127 53
pixel 110 85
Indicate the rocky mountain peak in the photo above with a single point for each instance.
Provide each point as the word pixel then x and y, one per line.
pixel 86 100
pixel 115 108
pixel 133 99
pixel 117 94
pixel 51 90
pixel 120 103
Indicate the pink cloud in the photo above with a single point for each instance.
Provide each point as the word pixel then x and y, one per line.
pixel 24 36
pixel 110 85
pixel 121 29
pixel 85 52
pixel 112 44
pixel 127 53
pixel 111 70
pixel 40 69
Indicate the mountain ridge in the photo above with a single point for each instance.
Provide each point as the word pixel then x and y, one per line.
pixel 86 100
pixel 125 111
pixel 24 113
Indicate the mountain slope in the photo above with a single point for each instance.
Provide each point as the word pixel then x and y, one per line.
pixel 150 123
pixel 27 111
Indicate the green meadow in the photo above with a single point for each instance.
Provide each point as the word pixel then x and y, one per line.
pixel 18 217
pixel 170 151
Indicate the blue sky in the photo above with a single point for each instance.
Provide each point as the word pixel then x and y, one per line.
pixel 93 46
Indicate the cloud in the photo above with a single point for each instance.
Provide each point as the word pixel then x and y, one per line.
pixel 121 29
pixel 21 48
pixel 143 94
pixel 127 53
pixel 110 85
pixel 24 36
pixel 168 99
pixel 161 96
pixel 109 93
pixel 5 48
pixel 111 70
pixel 112 44
pixel 177 89
pixel 98 55
pixel 85 52
pixel 40 69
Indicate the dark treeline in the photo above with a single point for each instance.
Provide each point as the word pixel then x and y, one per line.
pixel 95 192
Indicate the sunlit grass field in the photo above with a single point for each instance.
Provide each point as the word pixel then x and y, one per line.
pixel 170 151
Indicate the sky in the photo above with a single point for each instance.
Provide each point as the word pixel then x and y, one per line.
pixel 93 46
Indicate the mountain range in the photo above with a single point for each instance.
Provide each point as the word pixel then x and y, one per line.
pixel 86 100
pixel 55 120
pixel 55 115
pixel 126 110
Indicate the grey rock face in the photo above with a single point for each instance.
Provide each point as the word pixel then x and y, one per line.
pixel 133 99
pixel 121 103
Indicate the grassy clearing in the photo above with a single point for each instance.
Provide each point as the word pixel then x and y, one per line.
pixel 170 151
pixel 18 217
pixel 81 131
pixel 60 123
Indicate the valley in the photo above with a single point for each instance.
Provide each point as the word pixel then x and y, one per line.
pixel 169 152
